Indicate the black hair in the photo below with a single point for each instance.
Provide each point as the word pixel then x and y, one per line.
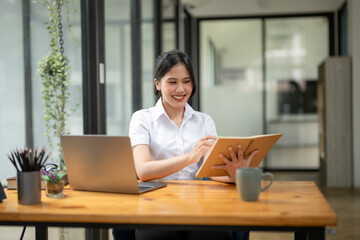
pixel 169 59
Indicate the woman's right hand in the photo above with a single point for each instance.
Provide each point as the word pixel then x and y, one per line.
pixel 201 148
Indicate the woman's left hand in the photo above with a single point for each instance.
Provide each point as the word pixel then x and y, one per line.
pixel 230 165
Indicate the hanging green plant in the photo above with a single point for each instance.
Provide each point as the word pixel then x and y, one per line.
pixel 53 71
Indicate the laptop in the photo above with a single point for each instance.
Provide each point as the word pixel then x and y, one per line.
pixel 103 164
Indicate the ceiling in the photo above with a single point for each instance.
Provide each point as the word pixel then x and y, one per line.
pixel 217 8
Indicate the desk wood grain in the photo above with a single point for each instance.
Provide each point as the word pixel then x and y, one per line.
pixel 181 203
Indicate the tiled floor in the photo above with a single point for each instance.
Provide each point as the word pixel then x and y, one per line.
pixel 345 202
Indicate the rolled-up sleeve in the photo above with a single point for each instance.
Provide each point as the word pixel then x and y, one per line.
pixel 139 129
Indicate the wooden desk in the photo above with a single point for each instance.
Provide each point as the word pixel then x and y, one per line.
pixel 286 206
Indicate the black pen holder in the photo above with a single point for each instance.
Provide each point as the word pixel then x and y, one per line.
pixel 29 187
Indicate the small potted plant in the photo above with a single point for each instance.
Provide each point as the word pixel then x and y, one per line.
pixel 54 182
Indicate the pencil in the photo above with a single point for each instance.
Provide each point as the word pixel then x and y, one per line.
pixel 25 160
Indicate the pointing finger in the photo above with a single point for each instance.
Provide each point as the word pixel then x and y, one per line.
pixel 208 137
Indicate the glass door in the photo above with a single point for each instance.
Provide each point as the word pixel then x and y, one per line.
pixel 245 97
pixel 231 75
pixel 294 49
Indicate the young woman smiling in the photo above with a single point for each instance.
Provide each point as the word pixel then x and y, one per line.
pixel 171 138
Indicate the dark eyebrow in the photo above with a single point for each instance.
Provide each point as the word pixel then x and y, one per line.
pixel 175 79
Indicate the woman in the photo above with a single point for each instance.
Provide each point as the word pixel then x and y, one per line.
pixel 170 139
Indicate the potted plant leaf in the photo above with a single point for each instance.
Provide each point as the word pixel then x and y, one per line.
pixel 54 182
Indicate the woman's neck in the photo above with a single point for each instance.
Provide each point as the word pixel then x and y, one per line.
pixel 175 114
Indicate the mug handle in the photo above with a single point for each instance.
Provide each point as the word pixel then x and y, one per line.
pixel 271 177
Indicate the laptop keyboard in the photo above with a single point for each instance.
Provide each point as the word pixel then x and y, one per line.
pixel 147 186
pixel 143 188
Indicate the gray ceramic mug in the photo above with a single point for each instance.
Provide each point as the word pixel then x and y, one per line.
pixel 248 182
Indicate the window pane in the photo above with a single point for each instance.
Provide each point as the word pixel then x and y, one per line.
pixel 148 58
pixel 168 27
pixel 231 75
pixel 40 47
pixel 294 49
pixel 12 102
pixel 118 66
pixel 169 42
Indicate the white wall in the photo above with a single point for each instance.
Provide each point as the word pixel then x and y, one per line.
pixel 339 3
pixel 354 52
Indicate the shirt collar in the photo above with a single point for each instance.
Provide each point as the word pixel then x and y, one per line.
pixel 159 110
pixel 189 112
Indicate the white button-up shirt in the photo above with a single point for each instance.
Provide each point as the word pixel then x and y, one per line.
pixel 154 128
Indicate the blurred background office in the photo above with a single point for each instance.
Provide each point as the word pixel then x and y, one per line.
pixel 256 63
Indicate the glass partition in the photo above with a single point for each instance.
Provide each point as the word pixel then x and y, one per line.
pixel 12 100
pixel 169 26
pixel 169 42
pixel 294 49
pixel 232 89
pixel 231 75
pixel 118 66
pixel 148 51
pixel 40 46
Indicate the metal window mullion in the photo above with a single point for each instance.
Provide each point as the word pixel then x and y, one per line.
pixel 263 53
pixel 188 28
pixel 29 135
pixel 158 27
pixel 136 65
pixel 101 60
pixel 196 59
pixel 92 35
pixel 177 24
